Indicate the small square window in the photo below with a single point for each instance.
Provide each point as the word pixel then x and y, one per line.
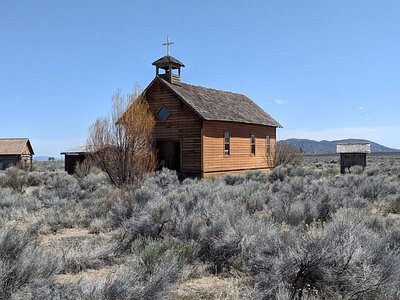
pixel 163 114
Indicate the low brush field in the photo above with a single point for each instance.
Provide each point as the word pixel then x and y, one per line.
pixel 299 232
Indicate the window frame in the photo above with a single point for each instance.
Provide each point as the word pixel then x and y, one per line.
pixel 267 145
pixel 252 144
pixel 166 110
pixel 227 144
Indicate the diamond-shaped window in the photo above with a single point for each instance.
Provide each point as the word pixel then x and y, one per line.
pixel 163 114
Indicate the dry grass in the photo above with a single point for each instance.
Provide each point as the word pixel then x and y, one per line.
pixel 89 275
pixel 213 287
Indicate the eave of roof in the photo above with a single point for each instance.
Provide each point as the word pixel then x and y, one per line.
pixel 78 150
pixel 166 60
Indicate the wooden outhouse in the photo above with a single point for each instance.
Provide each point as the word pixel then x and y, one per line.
pixel 14 151
pixel 74 156
pixel 206 132
pixel 353 154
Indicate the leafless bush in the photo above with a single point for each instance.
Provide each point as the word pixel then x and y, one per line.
pixel 288 155
pixel 122 144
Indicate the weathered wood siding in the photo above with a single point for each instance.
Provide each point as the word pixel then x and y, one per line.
pixel 26 156
pixel 182 125
pixel 8 161
pixel 26 150
pixel 71 160
pixel 348 160
pixel 214 161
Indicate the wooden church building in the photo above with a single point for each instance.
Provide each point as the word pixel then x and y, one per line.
pixel 206 132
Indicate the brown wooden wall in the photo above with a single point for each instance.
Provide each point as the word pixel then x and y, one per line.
pixel 26 150
pixel 348 160
pixel 182 125
pixel 27 160
pixel 13 160
pixel 8 161
pixel 71 160
pixel 214 161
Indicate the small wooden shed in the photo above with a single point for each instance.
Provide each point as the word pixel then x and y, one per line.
pixel 14 151
pixel 74 156
pixel 353 154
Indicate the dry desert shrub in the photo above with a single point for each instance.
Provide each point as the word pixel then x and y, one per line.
pixel 298 232
pixel 122 144
pixel 288 155
pixel 15 178
pixel 24 264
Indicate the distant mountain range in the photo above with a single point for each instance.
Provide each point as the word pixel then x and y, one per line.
pixel 326 147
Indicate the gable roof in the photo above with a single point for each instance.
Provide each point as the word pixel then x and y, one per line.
pixel 216 105
pixel 14 146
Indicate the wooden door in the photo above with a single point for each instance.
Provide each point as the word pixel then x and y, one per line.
pixel 169 155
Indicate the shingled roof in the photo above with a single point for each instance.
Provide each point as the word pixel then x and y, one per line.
pixel 14 146
pixel 165 60
pixel 216 105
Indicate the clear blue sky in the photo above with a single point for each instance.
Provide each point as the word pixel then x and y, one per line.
pixel 323 69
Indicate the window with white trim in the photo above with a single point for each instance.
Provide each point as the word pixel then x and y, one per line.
pixel 267 145
pixel 227 143
pixel 253 144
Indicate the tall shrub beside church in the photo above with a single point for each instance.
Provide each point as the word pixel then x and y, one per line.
pixel 122 143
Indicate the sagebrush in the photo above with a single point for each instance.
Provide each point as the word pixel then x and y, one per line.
pixel 299 232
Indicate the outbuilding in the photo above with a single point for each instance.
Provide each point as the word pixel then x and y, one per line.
pixel 14 151
pixel 74 156
pixel 353 154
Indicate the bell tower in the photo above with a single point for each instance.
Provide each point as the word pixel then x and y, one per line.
pixel 168 67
